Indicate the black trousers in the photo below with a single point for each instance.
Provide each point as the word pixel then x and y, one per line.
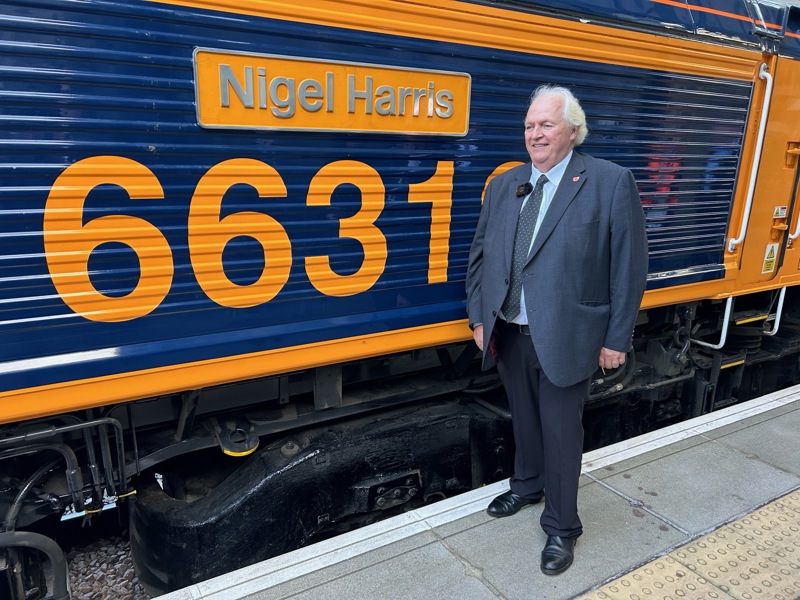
pixel 548 431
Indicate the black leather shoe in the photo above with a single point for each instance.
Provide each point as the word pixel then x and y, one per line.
pixel 508 504
pixel 558 554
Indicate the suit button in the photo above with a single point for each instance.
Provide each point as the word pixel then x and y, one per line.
pixel 506 281
pixel 494 313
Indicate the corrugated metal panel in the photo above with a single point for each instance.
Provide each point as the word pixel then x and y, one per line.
pixel 80 80
pixel 735 22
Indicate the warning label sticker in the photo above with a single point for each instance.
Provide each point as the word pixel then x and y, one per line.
pixel 769 258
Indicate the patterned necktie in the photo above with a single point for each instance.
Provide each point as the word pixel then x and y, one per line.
pixel 522 245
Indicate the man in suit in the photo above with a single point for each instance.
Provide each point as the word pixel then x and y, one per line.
pixel 556 274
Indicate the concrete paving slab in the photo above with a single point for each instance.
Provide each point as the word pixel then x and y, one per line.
pixel 732 484
pixel 431 571
pixel 768 440
pixel 615 538
pixel 477 519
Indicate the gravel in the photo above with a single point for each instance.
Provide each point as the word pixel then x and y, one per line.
pixel 103 570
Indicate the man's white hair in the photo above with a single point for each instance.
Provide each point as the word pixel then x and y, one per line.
pixel 573 113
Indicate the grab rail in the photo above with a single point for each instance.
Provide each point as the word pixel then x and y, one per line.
pixel 762 128
pixel 724 335
pixel 778 312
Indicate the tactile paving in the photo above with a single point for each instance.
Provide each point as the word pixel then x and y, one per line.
pixel 756 557
pixel 662 578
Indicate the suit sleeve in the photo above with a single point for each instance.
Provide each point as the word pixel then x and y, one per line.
pixel 475 263
pixel 628 263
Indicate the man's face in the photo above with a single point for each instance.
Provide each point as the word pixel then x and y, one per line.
pixel 548 136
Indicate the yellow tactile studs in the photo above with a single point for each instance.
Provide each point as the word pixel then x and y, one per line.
pixel 739 563
pixel 662 578
pixel 754 558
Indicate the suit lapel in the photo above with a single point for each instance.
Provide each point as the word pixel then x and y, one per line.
pixel 572 181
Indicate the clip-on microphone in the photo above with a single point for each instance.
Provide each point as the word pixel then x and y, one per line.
pixel 524 189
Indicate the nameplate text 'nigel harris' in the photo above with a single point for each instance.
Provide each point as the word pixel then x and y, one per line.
pixel 260 91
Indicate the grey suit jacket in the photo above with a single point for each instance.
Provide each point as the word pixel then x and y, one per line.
pixel 586 271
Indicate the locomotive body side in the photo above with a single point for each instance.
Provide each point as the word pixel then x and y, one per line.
pixel 149 253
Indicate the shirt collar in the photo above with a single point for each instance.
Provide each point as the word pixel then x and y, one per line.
pixel 555 174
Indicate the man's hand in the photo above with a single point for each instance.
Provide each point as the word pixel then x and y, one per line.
pixel 610 359
pixel 477 335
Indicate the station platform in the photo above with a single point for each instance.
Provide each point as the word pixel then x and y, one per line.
pixel 706 509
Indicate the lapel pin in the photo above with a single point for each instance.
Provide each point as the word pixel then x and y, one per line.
pixel 575 178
